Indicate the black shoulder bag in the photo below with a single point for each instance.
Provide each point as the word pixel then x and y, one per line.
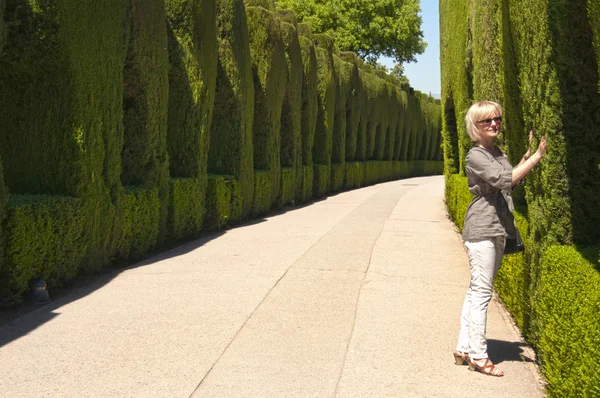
pixel 513 245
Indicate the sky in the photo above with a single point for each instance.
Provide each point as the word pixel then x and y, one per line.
pixel 424 75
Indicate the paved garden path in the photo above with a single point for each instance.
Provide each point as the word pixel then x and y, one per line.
pixel 356 295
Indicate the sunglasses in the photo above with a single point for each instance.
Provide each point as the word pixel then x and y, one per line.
pixel 497 119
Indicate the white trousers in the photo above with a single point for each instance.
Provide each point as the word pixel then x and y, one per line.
pixel 485 257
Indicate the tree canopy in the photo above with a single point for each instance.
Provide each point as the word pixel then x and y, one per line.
pixel 370 28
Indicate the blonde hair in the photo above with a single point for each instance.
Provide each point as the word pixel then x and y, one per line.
pixel 478 111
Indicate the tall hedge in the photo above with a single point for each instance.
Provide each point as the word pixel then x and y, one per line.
pixel 338 149
pixel 74 51
pixel 269 69
pixel 393 111
pixel 2 187
pixel 353 103
pixel 145 102
pixel 291 115
pixel 233 114
pixel 309 92
pixel 327 82
pixel 402 116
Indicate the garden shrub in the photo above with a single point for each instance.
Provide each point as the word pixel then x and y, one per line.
pixel 307 176
pixel 565 319
pixel 338 142
pixel 269 69
pixel 231 149
pixel 218 201
pixel 291 114
pixel 353 103
pixel 321 180
pixel 262 192
pixel 288 186
pixel 237 202
pixel 186 207
pixel 337 177
pixel 45 239
pixel 310 94
pixel 144 156
pixel 62 93
pixel 140 219
pixel 327 81
pixel 393 112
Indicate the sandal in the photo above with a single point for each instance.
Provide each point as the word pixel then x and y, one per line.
pixel 488 369
pixel 461 358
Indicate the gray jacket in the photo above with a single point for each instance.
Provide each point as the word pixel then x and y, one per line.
pixel 490 213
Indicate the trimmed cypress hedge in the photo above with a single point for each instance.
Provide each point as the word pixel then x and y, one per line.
pixel 186 210
pixel 144 156
pixel 46 240
pixel 126 93
pixel 327 82
pixel 310 103
pixel 269 68
pixel 218 201
pixel 353 103
pixel 393 112
pixel 192 45
pixel 140 219
pixel 231 149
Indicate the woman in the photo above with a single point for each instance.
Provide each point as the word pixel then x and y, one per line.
pixel 488 222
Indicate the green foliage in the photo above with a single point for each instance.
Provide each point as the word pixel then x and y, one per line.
pixel 46 240
pixel 291 114
pixel 393 110
pixel 218 201
pixel 338 172
pixel 457 198
pixel 192 46
pixel 370 28
pixel 2 25
pixel 400 125
pixel 306 191
pixel 382 118
pixel 309 94
pixel 262 192
pixel 353 96
pixel 288 186
pixel 186 207
pixel 566 315
pixel 338 144
pixel 269 69
pixel 327 82
pixel 237 202
pixel 231 149
pixel 354 175
pixel 321 180
pixel 144 156
pixel 514 278
pixel 140 222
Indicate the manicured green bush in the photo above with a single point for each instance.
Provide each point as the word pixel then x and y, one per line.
pixel 327 82
pixel 321 179
pixel 144 156
pixel 140 218
pixel 353 176
pixel 269 68
pixel 62 93
pixel 237 202
pixel 393 111
pixel 218 201
pixel 310 94
pixel 402 115
pixel 381 113
pixel 262 192
pixel 45 239
pixel 186 207
pixel 338 145
pixel 192 46
pixel 457 198
pixel 338 172
pixel 306 192
pixel 291 114
pixel 231 149
pixel 565 319
pixel 353 103
pixel 288 186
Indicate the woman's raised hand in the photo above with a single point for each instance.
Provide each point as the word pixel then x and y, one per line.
pixel 542 146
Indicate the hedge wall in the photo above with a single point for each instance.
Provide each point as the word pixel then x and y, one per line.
pixel 269 69
pixel 327 89
pixel 231 150
pixel 144 157
pixel 192 45
pixel 142 101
